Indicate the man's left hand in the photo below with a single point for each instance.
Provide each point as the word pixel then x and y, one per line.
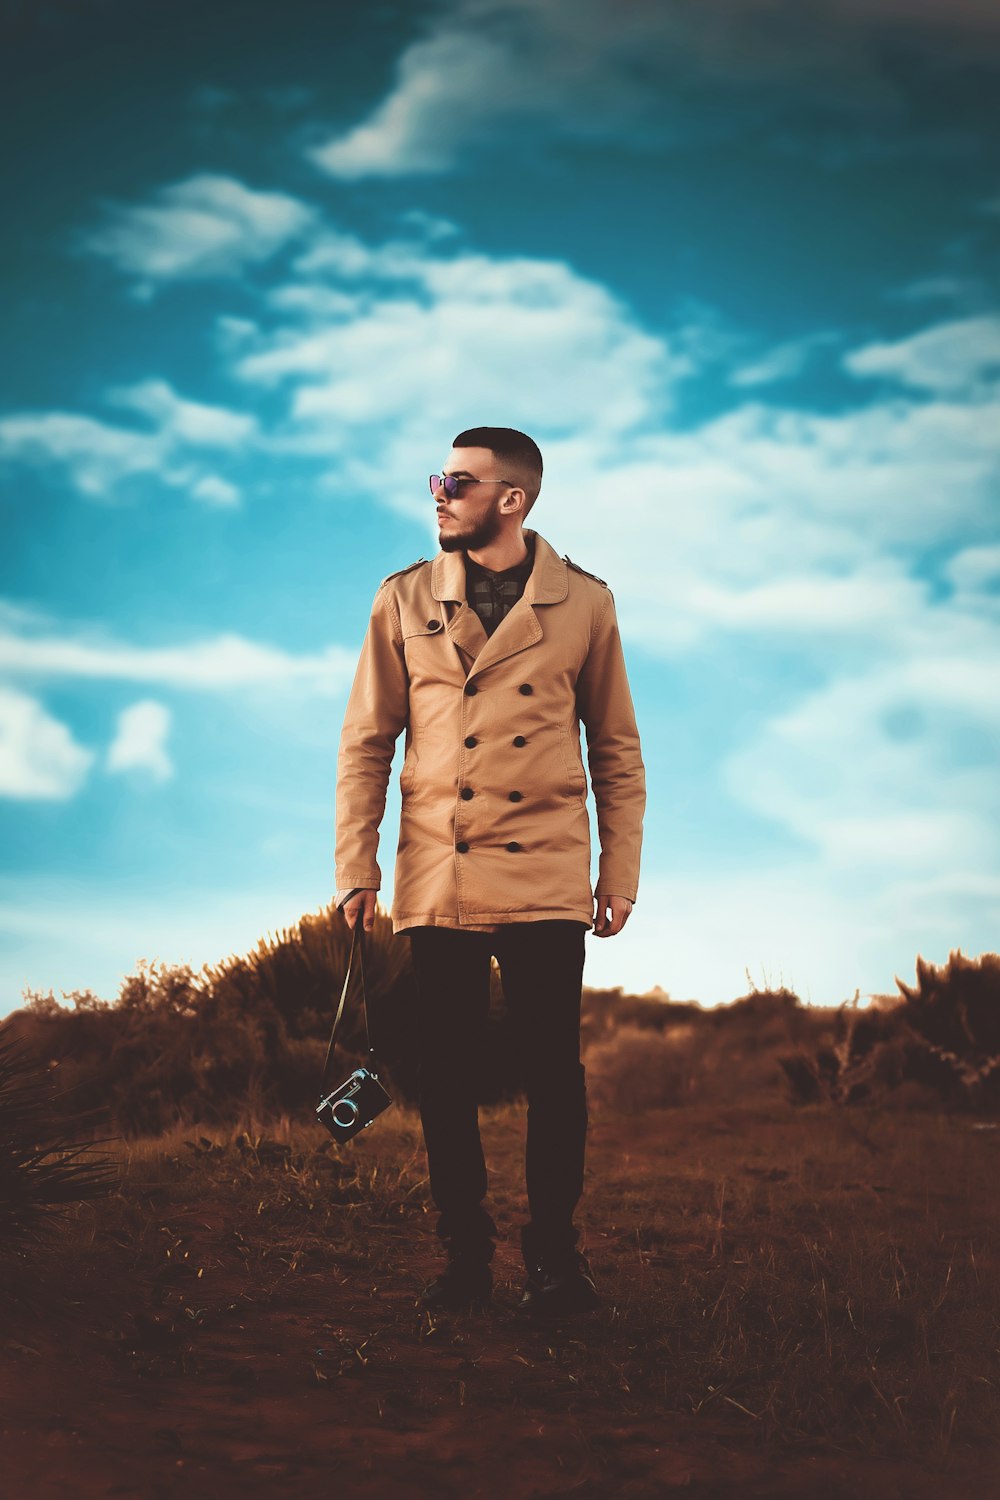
pixel 606 925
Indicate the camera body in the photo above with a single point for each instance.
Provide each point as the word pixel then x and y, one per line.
pixel 353 1105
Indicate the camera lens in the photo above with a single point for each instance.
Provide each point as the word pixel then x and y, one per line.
pixel 345 1112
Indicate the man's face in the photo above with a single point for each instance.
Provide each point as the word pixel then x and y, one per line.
pixel 472 518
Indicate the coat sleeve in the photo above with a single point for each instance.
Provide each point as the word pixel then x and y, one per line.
pixel 617 773
pixel 376 713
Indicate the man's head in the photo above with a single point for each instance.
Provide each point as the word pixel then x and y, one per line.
pixel 501 473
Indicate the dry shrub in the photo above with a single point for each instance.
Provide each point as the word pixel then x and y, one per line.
pixel 185 1048
pixel 634 1069
pixel 179 1047
pixel 605 1012
pixel 937 1042
pixel 43 1168
pixel 655 1054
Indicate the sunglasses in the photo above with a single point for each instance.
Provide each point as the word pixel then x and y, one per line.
pixel 453 487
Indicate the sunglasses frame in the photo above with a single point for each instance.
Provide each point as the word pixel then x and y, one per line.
pixel 453 487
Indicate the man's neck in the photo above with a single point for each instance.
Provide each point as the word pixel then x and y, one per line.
pixel 504 553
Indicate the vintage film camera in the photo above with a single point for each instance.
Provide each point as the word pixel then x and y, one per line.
pixel 354 1104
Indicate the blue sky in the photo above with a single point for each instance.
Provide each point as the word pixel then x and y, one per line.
pixel 734 265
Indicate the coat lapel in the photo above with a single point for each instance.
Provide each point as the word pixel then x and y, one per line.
pixel 520 627
pixel 467 630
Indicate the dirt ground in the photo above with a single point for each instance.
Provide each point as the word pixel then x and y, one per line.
pixel 169 1355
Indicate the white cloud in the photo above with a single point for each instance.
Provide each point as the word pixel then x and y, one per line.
pixel 889 771
pixel 215 491
pixel 807 531
pixel 99 456
pixel 961 357
pixel 490 72
pixel 206 226
pixel 802 527
pixel 975 570
pixel 931 289
pixel 432 226
pixel 185 422
pixel 140 742
pixel 224 662
pixel 39 758
pixel 782 362
pixel 233 333
pixel 441 100
pixel 96 455
pixel 528 338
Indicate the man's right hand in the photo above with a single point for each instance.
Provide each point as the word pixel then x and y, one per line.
pixel 363 904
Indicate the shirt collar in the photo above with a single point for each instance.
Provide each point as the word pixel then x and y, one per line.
pixel 519 571
pixel 548 582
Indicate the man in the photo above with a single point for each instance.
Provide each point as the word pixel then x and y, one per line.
pixel 489 657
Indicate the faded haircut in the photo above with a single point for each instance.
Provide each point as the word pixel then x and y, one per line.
pixel 520 455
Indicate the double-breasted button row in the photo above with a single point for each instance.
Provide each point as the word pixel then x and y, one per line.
pixel 467 794
pixel 470 687
pixel 471 742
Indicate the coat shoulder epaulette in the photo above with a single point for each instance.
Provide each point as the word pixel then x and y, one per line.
pixel 577 569
pixel 408 569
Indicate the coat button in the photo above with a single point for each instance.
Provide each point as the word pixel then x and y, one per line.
pixel 433 624
pixel 470 688
pixel 515 796
pixel 520 740
pixel 513 847
pixel 471 742
pixel 526 688
pixel 462 847
pixel 467 792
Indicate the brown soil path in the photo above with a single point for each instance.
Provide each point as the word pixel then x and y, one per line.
pixel 123 1380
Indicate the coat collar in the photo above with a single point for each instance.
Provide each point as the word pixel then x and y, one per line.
pixel 548 584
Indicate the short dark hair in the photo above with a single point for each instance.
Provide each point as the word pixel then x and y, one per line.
pixel 520 453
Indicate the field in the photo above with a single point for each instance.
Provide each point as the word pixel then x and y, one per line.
pixel 799 1301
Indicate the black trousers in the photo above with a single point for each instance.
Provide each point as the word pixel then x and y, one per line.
pixel 541 967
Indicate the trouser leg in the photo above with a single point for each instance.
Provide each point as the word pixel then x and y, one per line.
pixel 452 971
pixel 542 969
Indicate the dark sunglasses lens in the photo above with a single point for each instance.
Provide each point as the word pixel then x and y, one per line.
pixel 434 481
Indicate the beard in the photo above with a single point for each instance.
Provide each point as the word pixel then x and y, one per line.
pixel 474 536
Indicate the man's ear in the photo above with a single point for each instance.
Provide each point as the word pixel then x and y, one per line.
pixel 519 495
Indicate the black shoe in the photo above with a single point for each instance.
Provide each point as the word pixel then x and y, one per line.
pixel 556 1287
pixel 462 1284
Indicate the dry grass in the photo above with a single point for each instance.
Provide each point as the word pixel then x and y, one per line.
pixel 795 1279
pixel 784 1286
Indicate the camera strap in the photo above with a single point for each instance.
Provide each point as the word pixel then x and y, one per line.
pixel 357 952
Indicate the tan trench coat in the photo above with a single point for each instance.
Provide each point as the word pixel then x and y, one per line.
pixel 494 824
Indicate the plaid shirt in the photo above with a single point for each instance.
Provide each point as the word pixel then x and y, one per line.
pixel 493 595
